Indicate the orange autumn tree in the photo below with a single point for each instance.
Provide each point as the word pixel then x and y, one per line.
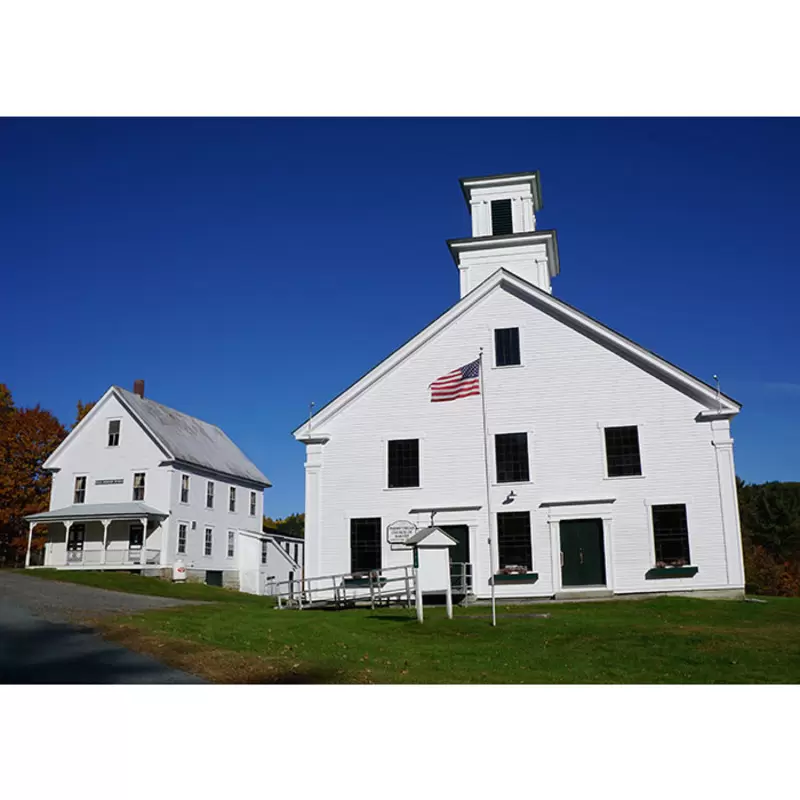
pixel 27 437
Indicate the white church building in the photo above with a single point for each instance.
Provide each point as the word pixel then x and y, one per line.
pixel 569 461
pixel 139 486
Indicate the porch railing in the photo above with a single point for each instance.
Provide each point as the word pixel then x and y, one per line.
pixel 113 557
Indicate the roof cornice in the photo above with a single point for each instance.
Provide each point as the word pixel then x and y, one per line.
pixel 486 181
pixel 481 243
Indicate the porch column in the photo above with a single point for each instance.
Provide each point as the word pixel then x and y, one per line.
pixel 31 526
pixel 143 554
pixel 106 523
pixel 67 526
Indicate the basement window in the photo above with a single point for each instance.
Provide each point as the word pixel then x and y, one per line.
pixel 365 544
pixel 501 217
pixel 671 535
pixel 622 451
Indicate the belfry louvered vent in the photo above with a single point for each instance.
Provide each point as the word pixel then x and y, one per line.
pixel 501 217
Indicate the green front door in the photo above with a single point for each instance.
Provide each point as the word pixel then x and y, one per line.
pixel 460 569
pixel 583 560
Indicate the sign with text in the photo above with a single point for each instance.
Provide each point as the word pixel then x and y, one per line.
pixel 107 481
pixel 398 532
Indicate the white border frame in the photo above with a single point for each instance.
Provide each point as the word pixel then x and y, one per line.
pixel 668 500
pixel 616 423
pixel 530 434
pixel 385 460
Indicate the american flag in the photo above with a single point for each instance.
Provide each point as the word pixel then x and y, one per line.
pixel 462 382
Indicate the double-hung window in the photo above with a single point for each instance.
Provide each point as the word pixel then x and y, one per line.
pixel 252 504
pixel 231 543
pixel 506 347
pixel 514 540
pixel 182 537
pixel 511 456
pixel 264 546
pixel 365 544
pixel 138 485
pixel 209 541
pixel 113 432
pixel 403 457
pixel 184 488
pixel 232 499
pixel 622 451
pixel 79 495
pixel 671 535
pixel 210 494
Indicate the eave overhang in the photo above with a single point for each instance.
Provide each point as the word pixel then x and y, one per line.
pixel 509 178
pixel 478 244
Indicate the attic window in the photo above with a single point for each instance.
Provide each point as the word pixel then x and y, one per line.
pixel 506 347
pixel 113 432
pixel 501 217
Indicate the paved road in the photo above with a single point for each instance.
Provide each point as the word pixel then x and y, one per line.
pixel 39 645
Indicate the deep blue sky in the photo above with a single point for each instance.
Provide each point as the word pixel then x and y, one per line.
pixel 244 267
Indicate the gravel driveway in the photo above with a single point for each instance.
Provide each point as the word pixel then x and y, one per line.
pixel 38 646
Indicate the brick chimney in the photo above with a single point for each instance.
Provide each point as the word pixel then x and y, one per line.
pixel 138 387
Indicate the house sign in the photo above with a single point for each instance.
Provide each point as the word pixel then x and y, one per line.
pixel 398 532
pixel 107 481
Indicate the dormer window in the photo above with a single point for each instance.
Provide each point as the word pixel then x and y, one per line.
pixel 113 432
pixel 501 217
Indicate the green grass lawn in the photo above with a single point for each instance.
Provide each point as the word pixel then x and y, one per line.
pixel 662 640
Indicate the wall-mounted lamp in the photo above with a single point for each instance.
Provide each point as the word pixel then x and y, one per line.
pixel 510 498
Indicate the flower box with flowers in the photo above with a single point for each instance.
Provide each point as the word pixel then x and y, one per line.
pixel 677 568
pixel 515 574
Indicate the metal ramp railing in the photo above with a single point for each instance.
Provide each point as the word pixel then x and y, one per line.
pixel 345 590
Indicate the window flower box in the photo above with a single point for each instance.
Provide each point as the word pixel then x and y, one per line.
pixel 515 577
pixel 659 572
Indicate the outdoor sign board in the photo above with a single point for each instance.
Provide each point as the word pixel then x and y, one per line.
pixel 398 532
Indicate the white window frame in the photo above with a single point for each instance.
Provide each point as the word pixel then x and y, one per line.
pixel 494 364
pixel 185 526
pixel 188 486
pixel 208 542
pixel 232 499
pixel 264 551
pixel 231 551
pixel 616 423
pixel 210 489
pixel 531 522
pixel 385 446
pixel 108 432
pixel 253 504
pixel 143 473
pixel 75 501
pixel 669 500
pixel 493 458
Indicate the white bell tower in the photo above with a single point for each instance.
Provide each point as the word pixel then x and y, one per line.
pixel 503 209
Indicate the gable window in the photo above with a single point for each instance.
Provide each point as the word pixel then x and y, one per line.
pixel 138 485
pixel 182 537
pixel 403 463
pixel 210 494
pixel 232 499
pixel 671 535
pixel 209 541
pixel 511 455
pixel 622 451
pixel 501 217
pixel 80 490
pixel 514 540
pixel 113 432
pixel 231 543
pixel 184 488
pixel 365 544
pixel 506 347
pixel 264 546
pixel 252 504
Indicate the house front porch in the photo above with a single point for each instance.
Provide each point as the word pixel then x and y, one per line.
pixel 102 536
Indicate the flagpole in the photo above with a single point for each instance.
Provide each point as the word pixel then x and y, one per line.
pixel 488 490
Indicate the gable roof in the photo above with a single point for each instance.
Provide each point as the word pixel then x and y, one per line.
pixel 627 348
pixel 183 439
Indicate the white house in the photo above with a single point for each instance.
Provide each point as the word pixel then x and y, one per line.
pixel 137 485
pixel 605 469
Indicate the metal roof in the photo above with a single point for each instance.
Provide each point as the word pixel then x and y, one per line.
pixel 190 440
pixel 132 510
